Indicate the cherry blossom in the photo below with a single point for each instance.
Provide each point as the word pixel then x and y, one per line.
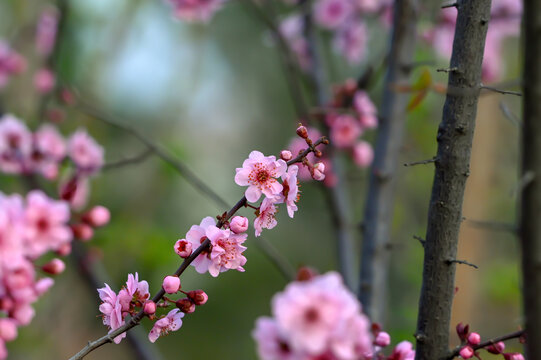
pixel 331 14
pixel 351 41
pixel 266 218
pixel 403 351
pixel 111 308
pixel 134 291
pixel 345 130
pixel 11 63
pixel 196 236
pixel 239 224
pixel 226 251
pixel 290 192
pixel 363 154
pixel 15 144
pixel 259 173
pixel 366 109
pixel 44 81
pixel 171 322
pixel 171 284
pixel 85 152
pixel 271 344
pixel 46 31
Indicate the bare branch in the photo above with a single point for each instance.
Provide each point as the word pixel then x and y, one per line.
pixel 509 114
pixel 422 162
pixel 499 91
pixel 484 344
pixel 128 161
pixel 493 225
pixel 464 262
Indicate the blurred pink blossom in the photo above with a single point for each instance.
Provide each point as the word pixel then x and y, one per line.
pixel 46 31
pixel 331 14
pixel 351 41
pixel 195 10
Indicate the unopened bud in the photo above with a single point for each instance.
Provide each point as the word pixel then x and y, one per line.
pixel 82 231
pixel 496 348
pixel 64 249
pixel 150 307
pixel 318 171
pixel 239 224
pixel 199 297
pixel 183 248
pixel 474 338
pixel 54 267
pixel 306 273
pixel 97 216
pixel 286 155
pixel 383 339
pixel 186 305
pixel 513 356
pixel 462 331
pixel 302 132
pixel 171 284
pixel 466 352
pixel 318 153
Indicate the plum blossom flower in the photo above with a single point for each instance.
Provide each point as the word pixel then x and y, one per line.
pixel 85 152
pixel 291 29
pixel 46 31
pixel 226 251
pixel 196 236
pixel 239 224
pixel 11 63
pixel 351 41
pixel 271 344
pixel 49 150
pixel 195 10
pixel 183 248
pixel 363 154
pixel 345 130
pixel 46 224
pixel 134 291
pixel 15 144
pixel 318 171
pixel 44 81
pixel 171 322
pixel 403 351
pixel 111 308
pixel 331 14
pixel 259 173
pixel 291 189
pixel 366 109
pixel 171 284
pixel 266 217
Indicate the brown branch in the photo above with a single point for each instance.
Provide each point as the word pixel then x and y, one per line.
pixel 135 320
pixel 484 344
pixel 422 162
pixel 463 262
pixel 499 91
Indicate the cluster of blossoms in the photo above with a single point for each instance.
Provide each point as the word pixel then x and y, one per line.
pixel 504 22
pixel 471 342
pixel 11 63
pixel 317 317
pixel 29 229
pixel 135 297
pixel 43 152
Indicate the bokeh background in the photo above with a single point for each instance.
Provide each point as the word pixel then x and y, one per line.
pixel 210 94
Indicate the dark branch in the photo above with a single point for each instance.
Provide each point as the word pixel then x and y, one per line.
pixel 464 262
pixel 422 162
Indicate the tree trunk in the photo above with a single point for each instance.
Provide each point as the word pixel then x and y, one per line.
pixel 530 223
pixel 376 227
pixel 455 136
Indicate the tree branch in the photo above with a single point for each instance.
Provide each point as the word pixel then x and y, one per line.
pixel 484 344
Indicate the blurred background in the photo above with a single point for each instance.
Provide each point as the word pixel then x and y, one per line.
pixel 210 93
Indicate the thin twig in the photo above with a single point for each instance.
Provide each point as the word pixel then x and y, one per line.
pixel 509 114
pixel 499 91
pixel 493 225
pixel 464 262
pixel 128 161
pixel 422 162
pixel 484 344
pixel 455 4
pixel 447 70
pixel 420 239
pixel 136 319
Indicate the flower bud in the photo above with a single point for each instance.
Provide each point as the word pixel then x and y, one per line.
pixel 97 216
pixel 54 267
pixel 199 297
pixel 286 155
pixel 466 352
pixel 318 171
pixel 363 154
pixel 150 307
pixel 239 224
pixel 82 231
pixel 171 284
pixel 302 132
pixel 474 338
pixel 8 329
pixel 513 356
pixel 43 285
pixel 382 339
pixel 306 273
pixel 185 305
pixel 462 331
pixel 44 81
pixel 183 248
pixel 64 249
pixel 497 348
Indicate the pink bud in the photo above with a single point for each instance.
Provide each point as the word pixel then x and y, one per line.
pixel 44 81
pixel 8 329
pixel 513 356
pixel 150 307
pixel 286 155
pixel 474 338
pixel 363 154
pixel 462 331
pixel 466 352
pixel 186 305
pixel 306 273
pixel 497 348
pixel 383 339
pixel 97 216
pixel 82 231
pixel 199 297
pixel 64 249
pixel 239 224
pixel 318 171
pixel 183 248
pixel 302 132
pixel 67 97
pixel 54 267
pixel 43 285
pixel 171 284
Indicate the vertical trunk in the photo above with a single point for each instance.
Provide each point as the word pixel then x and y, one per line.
pixel 455 136
pixel 379 205
pixel 530 226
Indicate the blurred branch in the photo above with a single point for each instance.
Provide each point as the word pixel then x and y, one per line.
pixel 493 225
pixel 128 161
pixel 500 91
pixel 136 319
pixel 509 114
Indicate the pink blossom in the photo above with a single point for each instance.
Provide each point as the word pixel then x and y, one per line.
pixel 331 14
pixel 497 348
pixel 369 6
pixel 259 173
pixel 290 193
pixel 363 154
pixel 195 10
pixel 196 236
pixel 11 231
pixel 23 313
pixel 149 307
pixel 44 81
pixel 318 171
pixel 291 28
pixel 171 284
pixel 46 31
pixel 49 150
pixel 185 305
pixel 271 344
pixel 513 356
pixel 183 248
pixel 46 224
pixel 403 351
pixel 353 338
pixel 171 322
pixel 366 109
pixel 112 311
pixel 11 63
pixel 85 152
pixel 82 231
pixel 199 297
pixel 383 339
pixel 266 217
pixel 134 291
pixel 239 224
pixel 8 329
pixel 54 267
pixel 15 144
pixel 75 191
pixel 466 352
pixel 351 41
pixel 344 131
pixel 97 216
pixel 313 314
pixel 43 285
pixel 286 155
pixel 226 250
pixel 474 338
